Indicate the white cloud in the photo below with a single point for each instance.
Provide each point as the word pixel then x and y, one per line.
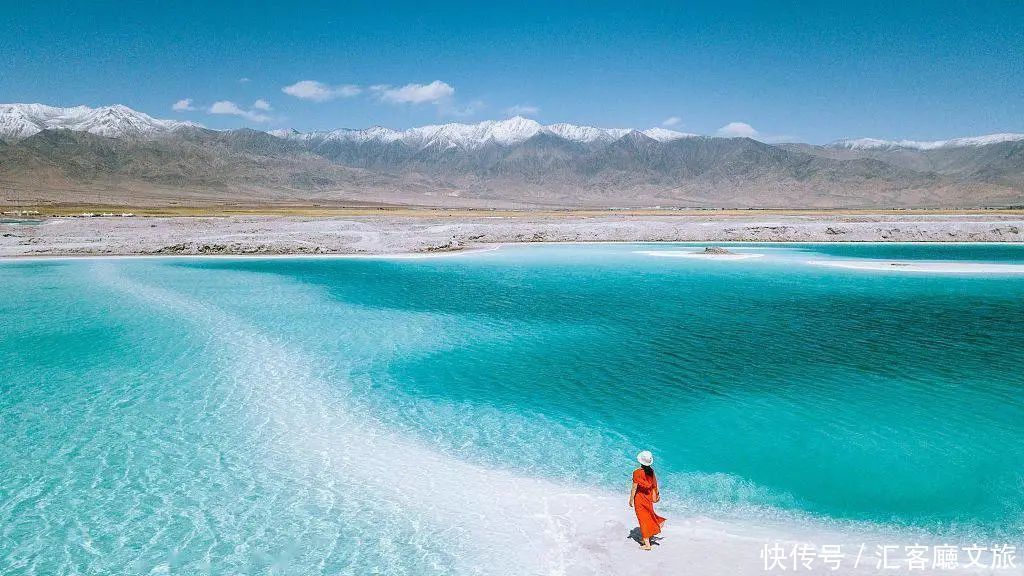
pixel 244 80
pixel 226 107
pixel 737 130
pixel 348 90
pixel 522 110
pixel 434 92
pixel 672 121
pixel 744 130
pixel 261 104
pixel 183 105
pixel 320 92
pixel 230 108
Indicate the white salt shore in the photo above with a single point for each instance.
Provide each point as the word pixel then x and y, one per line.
pixel 263 235
pixel 260 256
pixel 919 266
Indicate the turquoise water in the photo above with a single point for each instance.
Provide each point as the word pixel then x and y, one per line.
pixel 229 415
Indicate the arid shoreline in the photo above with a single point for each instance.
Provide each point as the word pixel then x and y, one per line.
pixel 437 232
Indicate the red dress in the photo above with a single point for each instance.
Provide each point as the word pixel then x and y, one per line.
pixel 646 488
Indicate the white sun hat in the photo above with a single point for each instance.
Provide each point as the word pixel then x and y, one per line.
pixel 645 457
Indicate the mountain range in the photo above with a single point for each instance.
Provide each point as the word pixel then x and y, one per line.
pixel 116 155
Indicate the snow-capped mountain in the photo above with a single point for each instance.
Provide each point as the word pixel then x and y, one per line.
pixel 473 136
pixel 19 121
pixel 23 120
pixel 512 162
pixel 875 144
pixel 665 135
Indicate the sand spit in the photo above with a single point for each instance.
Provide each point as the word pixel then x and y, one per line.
pixel 239 235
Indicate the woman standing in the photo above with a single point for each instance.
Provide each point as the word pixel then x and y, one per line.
pixel 643 496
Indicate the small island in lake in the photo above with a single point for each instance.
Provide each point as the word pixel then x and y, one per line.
pixel 716 251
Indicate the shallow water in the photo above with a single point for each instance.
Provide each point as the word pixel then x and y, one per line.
pixel 224 415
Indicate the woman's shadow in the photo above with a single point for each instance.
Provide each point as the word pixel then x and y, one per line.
pixel 637 537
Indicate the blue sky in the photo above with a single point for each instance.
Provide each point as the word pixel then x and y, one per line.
pixel 812 72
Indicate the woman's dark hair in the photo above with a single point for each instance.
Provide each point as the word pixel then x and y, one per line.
pixel 647 470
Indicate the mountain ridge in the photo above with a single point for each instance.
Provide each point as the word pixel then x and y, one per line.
pixel 506 132
pixel 23 120
pixel 872 143
pixel 119 120
pixel 50 154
